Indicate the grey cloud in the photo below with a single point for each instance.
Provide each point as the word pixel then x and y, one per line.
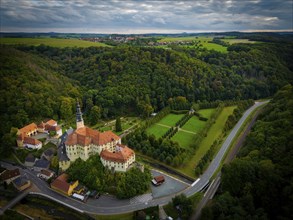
pixel 170 15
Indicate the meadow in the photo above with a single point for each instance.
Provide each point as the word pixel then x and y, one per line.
pixel 53 42
pixel 214 132
pixel 203 41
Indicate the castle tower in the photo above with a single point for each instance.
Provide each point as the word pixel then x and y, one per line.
pixel 79 120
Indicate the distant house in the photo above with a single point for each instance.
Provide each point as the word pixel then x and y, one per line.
pixel 9 175
pixel 21 183
pixel 61 185
pixel 29 160
pixel 50 125
pixel 41 164
pixel 46 174
pixel 48 154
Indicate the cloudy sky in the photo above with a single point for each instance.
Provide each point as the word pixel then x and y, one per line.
pixel 141 16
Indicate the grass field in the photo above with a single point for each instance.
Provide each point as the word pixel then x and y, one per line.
pixel 157 130
pixel 206 112
pixel 183 138
pixel 214 132
pixel 236 41
pixel 204 41
pixel 53 42
pixel 170 120
pixel 194 124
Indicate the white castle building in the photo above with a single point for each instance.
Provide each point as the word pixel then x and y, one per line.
pixel 84 142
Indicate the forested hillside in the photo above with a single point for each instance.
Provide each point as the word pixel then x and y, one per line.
pixel 132 78
pixel 31 88
pixel 258 184
pixel 43 82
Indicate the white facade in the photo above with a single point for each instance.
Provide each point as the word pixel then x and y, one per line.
pixel 32 146
pixel 118 166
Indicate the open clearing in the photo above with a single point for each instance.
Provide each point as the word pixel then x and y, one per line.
pixel 214 132
pixel 53 42
pixel 206 112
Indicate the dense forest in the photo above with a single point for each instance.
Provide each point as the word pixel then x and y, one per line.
pixel 258 183
pixel 44 82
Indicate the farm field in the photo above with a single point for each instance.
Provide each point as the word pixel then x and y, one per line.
pixel 214 132
pixel 53 42
pixel 202 40
pixel 236 41
pixel 194 124
pixel 183 138
pixel 206 112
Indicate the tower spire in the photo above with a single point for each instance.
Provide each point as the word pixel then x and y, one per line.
pixel 79 119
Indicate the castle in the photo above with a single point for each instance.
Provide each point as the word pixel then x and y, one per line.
pixel 84 142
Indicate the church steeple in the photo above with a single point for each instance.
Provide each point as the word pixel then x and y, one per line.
pixel 79 119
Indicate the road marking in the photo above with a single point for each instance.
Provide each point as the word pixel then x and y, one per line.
pixel 195 182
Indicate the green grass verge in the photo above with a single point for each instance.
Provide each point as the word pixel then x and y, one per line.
pixel 214 132
pixel 125 216
pixel 237 136
pixel 183 138
pixel 53 42
pixel 157 130
pixel 194 124
pixel 206 112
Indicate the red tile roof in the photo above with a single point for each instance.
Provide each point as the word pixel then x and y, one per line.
pixel 52 128
pixel 8 174
pixel 32 141
pixel 28 128
pixel 60 183
pixel 121 155
pixel 47 172
pixel 51 122
pixel 85 136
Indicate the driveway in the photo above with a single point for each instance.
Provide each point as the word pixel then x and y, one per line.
pixel 169 187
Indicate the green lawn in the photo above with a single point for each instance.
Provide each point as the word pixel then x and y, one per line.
pixel 170 120
pixel 183 138
pixel 157 130
pixel 53 42
pixel 206 112
pixel 194 124
pixel 214 132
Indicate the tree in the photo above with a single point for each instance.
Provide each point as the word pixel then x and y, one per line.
pixel 55 162
pixel 66 109
pixel 95 114
pixel 118 126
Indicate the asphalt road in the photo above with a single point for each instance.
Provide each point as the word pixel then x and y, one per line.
pixel 108 206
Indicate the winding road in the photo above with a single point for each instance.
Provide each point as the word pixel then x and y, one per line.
pixel 108 205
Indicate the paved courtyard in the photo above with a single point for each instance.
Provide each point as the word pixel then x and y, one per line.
pixel 170 186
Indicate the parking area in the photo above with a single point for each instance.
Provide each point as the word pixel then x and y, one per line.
pixel 170 186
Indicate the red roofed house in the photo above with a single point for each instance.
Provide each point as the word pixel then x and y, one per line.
pixel 119 159
pixel 84 142
pixel 24 138
pixel 48 126
pixel 61 185
pixel 9 175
